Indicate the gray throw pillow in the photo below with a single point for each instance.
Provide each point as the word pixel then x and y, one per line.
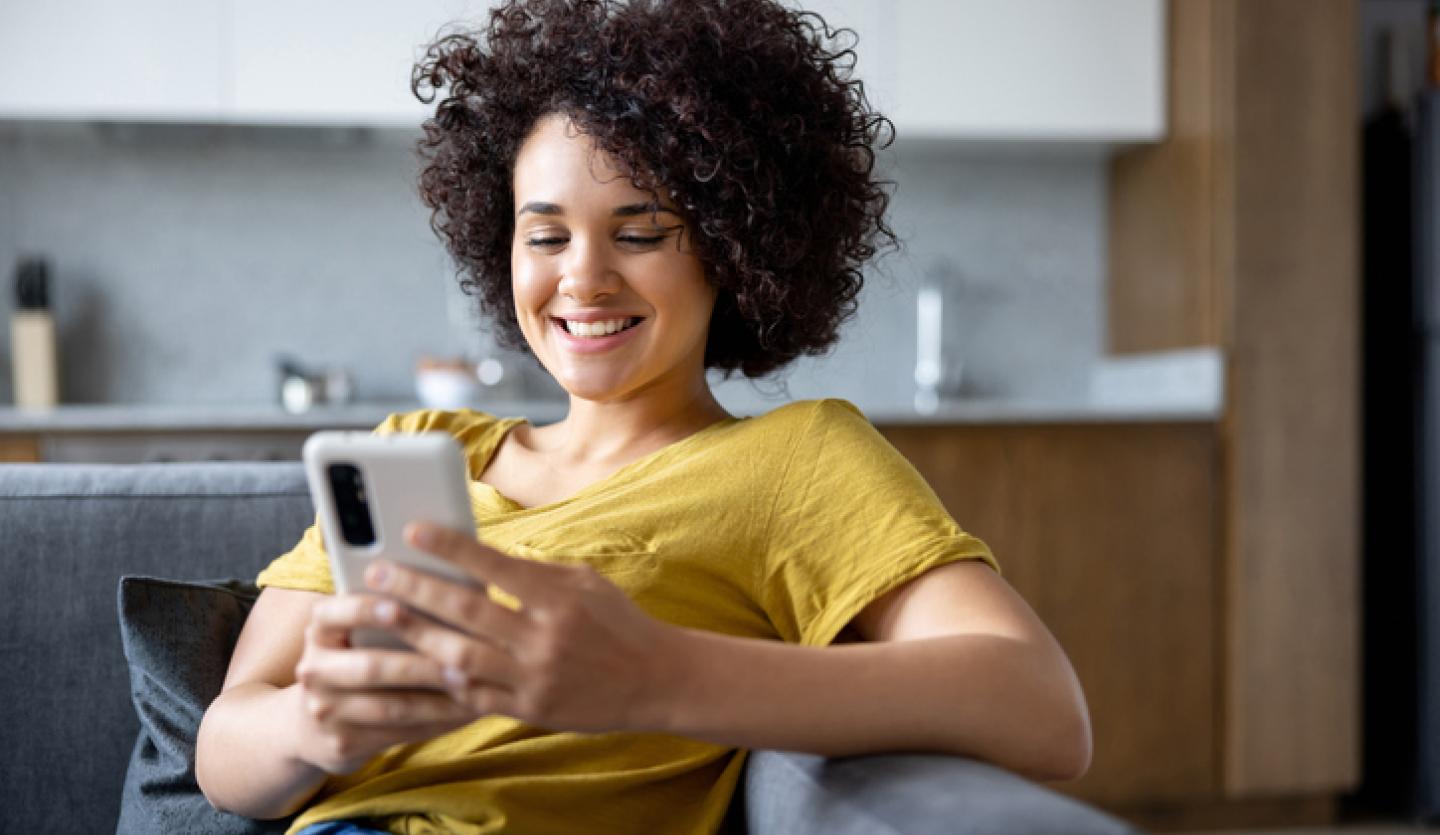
pixel 178 637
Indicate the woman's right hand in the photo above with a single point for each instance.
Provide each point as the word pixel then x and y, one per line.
pixel 357 702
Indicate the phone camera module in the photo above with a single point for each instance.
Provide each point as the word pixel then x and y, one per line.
pixel 348 488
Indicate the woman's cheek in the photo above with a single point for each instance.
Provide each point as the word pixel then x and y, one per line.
pixel 529 300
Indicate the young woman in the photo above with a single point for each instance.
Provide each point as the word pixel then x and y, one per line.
pixel 638 193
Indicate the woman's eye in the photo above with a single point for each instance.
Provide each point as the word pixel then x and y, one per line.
pixel 630 240
pixel 641 240
pixel 650 237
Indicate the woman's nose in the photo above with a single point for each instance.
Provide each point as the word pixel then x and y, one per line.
pixel 587 274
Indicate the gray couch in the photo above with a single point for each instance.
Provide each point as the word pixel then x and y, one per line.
pixel 69 532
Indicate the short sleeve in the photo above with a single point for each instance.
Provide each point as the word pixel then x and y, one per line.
pixel 852 520
pixel 306 567
pixel 303 568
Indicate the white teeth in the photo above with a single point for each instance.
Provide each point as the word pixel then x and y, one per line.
pixel 597 328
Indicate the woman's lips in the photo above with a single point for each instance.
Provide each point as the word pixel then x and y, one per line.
pixel 594 344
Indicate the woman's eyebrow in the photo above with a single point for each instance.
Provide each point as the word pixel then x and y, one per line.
pixel 540 209
pixel 630 210
pixel 642 209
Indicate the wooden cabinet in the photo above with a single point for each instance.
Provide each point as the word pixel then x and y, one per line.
pixel 1112 533
pixel 137 446
pixel 16 449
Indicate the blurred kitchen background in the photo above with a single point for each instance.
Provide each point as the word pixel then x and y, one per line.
pixel 195 232
pixel 1126 338
pixel 185 257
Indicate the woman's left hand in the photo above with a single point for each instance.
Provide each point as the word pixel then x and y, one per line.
pixel 578 656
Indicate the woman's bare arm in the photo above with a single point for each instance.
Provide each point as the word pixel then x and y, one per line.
pixel 954 662
pixel 246 757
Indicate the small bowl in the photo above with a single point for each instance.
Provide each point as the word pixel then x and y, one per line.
pixel 446 387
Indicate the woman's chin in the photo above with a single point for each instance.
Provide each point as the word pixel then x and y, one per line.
pixel 588 385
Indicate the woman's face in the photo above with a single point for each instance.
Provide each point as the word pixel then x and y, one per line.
pixel 607 290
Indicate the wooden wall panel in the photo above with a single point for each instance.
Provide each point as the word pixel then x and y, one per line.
pixel 1241 230
pixel 1162 291
pixel 1109 532
pixel 1293 690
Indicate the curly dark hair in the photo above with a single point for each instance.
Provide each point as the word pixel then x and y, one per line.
pixel 744 112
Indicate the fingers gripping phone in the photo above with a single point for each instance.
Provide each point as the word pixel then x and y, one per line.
pixel 367 488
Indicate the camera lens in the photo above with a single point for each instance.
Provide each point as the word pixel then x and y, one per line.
pixel 348 489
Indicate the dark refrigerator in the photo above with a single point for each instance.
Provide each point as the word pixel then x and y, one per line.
pixel 1401 327
pixel 1427 508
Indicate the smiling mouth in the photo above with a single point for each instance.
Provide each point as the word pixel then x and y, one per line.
pixel 594 330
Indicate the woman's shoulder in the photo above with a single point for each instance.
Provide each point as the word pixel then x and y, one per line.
pixel 809 428
pixel 830 433
pixel 477 432
pixel 454 421
pixel 814 415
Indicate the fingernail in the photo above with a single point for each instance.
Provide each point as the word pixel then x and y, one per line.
pixel 455 678
pixel 379 575
pixel 422 535
pixel 386 611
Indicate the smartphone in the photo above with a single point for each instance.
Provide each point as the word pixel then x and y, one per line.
pixel 368 487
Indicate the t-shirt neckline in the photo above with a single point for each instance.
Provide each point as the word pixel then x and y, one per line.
pixel 515 509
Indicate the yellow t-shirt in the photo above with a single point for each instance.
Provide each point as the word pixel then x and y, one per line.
pixel 780 527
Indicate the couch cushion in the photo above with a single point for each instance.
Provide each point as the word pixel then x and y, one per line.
pixel 67 534
pixel 905 794
pixel 178 638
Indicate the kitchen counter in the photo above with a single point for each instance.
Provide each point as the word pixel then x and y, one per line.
pixel 1181 386
pixel 212 417
pixel 136 417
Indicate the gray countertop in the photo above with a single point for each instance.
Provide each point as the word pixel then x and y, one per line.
pixel 256 417
pixel 221 417
pixel 1010 411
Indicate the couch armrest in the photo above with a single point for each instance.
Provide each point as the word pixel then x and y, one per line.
pixel 905 794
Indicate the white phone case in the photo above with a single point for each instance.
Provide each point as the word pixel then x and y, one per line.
pixel 404 478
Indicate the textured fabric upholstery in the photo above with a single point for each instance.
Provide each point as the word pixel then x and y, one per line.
pixel 906 794
pixel 69 532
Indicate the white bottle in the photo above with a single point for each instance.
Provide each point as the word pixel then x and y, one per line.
pixel 35 365
pixel 929 349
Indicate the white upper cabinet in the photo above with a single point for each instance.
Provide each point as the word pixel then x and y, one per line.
pixel 334 61
pixel 1031 69
pixel 1008 70
pixel 102 59
pixel 1005 70
pixel 249 61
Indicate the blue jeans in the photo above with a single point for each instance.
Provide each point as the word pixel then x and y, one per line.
pixel 339 828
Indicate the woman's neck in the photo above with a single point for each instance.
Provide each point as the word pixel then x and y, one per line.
pixel 596 432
